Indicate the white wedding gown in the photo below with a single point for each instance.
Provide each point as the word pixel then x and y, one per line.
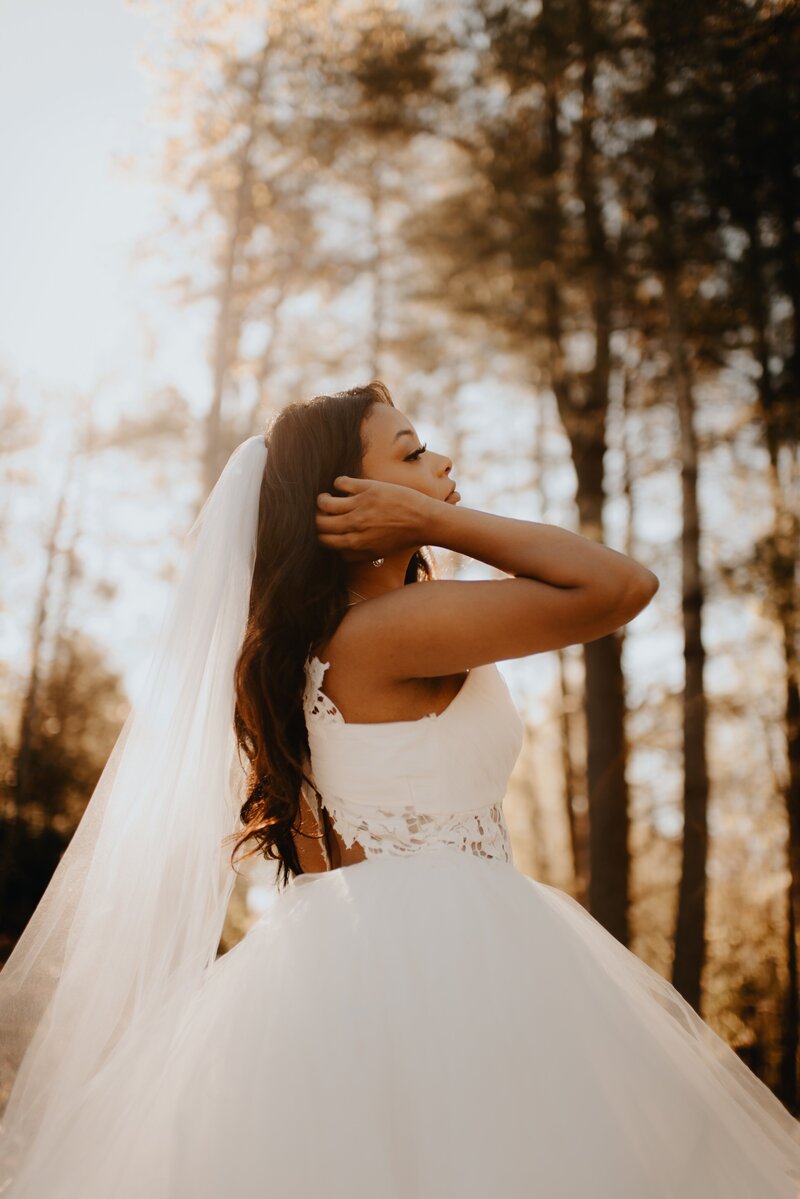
pixel 428 1023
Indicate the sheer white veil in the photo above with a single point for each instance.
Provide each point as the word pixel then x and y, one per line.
pixel 132 916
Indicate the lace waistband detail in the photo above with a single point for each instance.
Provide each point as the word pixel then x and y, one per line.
pixel 406 830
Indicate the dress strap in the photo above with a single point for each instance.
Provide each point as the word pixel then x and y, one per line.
pixel 316 703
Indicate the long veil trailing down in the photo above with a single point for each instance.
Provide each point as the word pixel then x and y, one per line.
pixel 134 911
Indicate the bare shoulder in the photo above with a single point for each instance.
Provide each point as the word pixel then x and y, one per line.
pixel 441 628
pixel 359 684
pixel 427 631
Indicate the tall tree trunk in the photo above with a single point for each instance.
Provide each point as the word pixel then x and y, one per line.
pixel 788 251
pixel 690 929
pixel 583 418
pixel 782 568
pixel 790 1057
pixel 577 821
pixel 783 424
pixel 585 423
pixel 609 869
pixel 627 473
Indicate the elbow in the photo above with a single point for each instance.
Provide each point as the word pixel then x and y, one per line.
pixel 638 592
pixel 616 606
pixel 650 584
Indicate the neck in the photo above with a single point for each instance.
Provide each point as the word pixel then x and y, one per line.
pixel 371 581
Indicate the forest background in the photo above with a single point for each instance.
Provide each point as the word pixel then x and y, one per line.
pixel 566 235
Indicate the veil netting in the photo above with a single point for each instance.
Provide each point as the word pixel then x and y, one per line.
pixel 133 914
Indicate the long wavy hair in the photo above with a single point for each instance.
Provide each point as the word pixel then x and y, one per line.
pixel 298 597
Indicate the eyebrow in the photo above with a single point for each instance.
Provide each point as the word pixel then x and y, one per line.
pixel 402 433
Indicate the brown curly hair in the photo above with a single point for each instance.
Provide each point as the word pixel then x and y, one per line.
pixel 297 599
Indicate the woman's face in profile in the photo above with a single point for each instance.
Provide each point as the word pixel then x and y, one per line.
pixel 395 454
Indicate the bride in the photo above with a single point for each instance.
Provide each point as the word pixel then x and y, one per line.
pixel 412 1017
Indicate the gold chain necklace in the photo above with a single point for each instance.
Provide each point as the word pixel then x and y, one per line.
pixel 353 591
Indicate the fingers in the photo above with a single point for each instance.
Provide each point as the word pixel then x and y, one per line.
pixel 335 541
pixel 337 526
pixel 336 504
pixel 334 514
pixel 343 503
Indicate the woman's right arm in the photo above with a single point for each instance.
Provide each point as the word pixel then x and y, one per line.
pixel 566 589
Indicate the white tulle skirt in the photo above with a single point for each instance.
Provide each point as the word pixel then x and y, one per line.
pixel 423 1027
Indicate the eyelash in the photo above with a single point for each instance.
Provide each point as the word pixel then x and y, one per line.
pixel 418 452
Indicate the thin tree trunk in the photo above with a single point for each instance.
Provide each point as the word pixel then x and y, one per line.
pixel 627 474
pixel 577 823
pixel 788 252
pixel 607 755
pixel 609 880
pixel 782 566
pixel 584 421
pixel 790 1068
pixel 690 930
pixel 781 423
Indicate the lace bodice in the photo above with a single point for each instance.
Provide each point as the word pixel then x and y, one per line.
pixel 398 787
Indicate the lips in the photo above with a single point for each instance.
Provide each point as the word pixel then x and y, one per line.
pixel 453 497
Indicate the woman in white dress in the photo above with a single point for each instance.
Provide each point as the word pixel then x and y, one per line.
pixel 412 1018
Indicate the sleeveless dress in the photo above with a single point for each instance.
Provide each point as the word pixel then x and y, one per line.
pixel 427 1023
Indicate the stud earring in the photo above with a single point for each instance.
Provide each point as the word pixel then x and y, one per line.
pixel 377 561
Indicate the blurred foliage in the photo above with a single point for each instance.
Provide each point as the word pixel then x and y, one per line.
pixel 79 713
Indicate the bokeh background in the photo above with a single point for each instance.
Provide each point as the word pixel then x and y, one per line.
pixel 565 234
